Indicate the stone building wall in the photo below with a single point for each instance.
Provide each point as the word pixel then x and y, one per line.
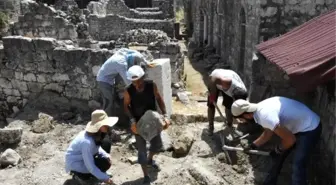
pixel 39 20
pixel 11 8
pixel 167 7
pixel 235 27
pixel 119 7
pixel 268 80
pixel 31 65
pixel 110 27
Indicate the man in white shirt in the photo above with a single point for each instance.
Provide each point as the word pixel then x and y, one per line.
pixel 230 85
pixel 117 64
pixel 298 127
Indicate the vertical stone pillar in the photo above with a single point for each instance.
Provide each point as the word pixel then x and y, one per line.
pixel 161 75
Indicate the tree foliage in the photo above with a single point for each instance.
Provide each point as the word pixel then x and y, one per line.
pixel 4 20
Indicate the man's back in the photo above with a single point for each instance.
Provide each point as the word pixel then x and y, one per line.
pixel 290 113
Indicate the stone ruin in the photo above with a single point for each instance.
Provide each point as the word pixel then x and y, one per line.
pixel 60 47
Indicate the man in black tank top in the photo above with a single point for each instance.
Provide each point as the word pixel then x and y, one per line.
pixel 140 97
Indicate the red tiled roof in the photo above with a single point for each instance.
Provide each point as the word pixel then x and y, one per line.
pixel 306 53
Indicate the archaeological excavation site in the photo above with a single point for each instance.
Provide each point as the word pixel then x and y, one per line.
pixel 51 57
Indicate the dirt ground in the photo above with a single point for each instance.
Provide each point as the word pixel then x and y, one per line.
pixel 43 160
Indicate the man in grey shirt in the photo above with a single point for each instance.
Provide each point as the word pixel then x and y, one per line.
pixel 117 64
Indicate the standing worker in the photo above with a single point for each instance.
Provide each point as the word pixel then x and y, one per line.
pixel 230 85
pixel 141 96
pixel 117 64
pixel 298 127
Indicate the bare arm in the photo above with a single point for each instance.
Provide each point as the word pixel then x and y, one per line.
pixel 287 137
pixel 127 102
pixel 159 100
pixel 263 138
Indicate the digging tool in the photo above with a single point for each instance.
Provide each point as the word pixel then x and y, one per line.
pixel 257 152
pixel 223 138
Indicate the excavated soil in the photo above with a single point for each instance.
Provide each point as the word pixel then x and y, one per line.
pixel 43 159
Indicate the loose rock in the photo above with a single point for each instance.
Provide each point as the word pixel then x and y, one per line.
pixel 150 125
pixel 43 124
pixel 166 141
pixel 9 157
pixel 10 135
pixel 183 144
pixel 200 148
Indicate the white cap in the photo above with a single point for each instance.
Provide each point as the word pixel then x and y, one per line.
pixel 241 106
pixel 135 73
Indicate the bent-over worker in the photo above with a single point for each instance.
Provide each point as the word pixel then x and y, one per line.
pixel 117 64
pixel 230 85
pixel 298 127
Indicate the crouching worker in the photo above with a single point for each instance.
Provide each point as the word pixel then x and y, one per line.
pixel 298 127
pixel 140 97
pixel 85 158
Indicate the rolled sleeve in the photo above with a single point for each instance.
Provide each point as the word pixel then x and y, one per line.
pixel 90 165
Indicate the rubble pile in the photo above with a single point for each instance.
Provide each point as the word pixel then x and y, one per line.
pixel 144 36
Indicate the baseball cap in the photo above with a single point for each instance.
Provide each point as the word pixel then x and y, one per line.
pixel 241 106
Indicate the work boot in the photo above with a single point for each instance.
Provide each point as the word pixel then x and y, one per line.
pixel 153 164
pixel 146 180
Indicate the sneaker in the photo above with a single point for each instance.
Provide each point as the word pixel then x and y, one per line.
pixel 146 180
pixel 152 163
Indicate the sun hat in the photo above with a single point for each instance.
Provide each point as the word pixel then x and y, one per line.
pixel 241 106
pixel 135 73
pixel 99 118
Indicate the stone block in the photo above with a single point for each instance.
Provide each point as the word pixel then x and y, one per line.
pixel 41 78
pixel 20 85
pixel 35 87
pixel 161 75
pixel 30 77
pixel 54 87
pixel 12 99
pixel 10 135
pixel 150 125
pixel 7 73
pixel 6 84
pixel 60 77
pixel 18 75
pixel 78 92
pixel 11 92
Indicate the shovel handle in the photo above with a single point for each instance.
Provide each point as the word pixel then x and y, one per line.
pixel 230 148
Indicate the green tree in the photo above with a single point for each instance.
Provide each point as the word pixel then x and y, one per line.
pixel 4 20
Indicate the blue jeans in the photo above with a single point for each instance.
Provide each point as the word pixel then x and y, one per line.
pixel 305 143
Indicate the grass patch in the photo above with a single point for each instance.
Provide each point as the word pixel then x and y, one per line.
pixel 4 20
pixel 179 15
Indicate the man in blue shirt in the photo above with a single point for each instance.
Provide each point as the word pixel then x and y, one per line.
pixel 298 127
pixel 117 64
pixel 85 158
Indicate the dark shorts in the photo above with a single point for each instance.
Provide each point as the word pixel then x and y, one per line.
pixel 228 100
pixel 155 147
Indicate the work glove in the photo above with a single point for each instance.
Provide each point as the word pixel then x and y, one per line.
pixel 251 146
pixel 277 151
pixel 134 128
pixel 212 98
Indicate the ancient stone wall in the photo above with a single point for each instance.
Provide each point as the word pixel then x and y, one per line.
pixel 110 27
pixel 278 17
pixel 269 80
pixel 167 7
pixel 119 7
pixel 235 27
pixel 11 8
pixel 32 65
pixel 38 20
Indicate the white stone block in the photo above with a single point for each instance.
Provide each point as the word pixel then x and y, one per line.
pixel 161 75
pixel 95 70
